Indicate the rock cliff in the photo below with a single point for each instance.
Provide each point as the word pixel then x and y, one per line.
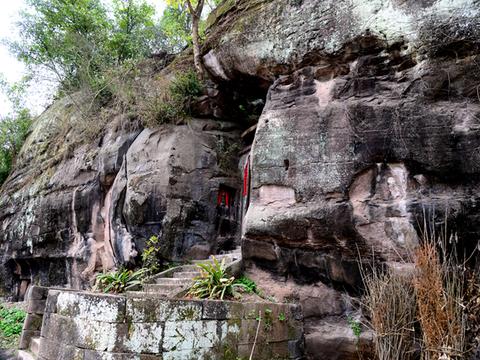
pixel 371 121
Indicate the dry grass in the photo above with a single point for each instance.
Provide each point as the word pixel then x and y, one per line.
pixel 430 299
pixel 390 300
pixel 439 292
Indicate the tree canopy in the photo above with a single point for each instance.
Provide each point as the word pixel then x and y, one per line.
pixel 78 39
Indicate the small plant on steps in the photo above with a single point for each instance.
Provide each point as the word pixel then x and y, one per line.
pixel 214 282
pixel 151 256
pixel 120 281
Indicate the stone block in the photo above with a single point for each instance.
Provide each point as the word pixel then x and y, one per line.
pixel 33 322
pixel 36 293
pixel 99 307
pixel 158 310
pixel 25 338
pixel 51 302
pixel 36 306
pixel 143 338
pixel 98 355
pixel 51 350
pixel 59 329
pixel 189 335
pixel 296 348
pixel 262 350
pixel 216 310
pixel 193 354
pixel 99 335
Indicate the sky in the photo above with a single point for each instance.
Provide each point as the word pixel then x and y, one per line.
pixel 13 70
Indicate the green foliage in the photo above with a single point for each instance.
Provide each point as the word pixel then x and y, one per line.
pixel 79 40
pixel 65 36
pixel 151 256
pixel 13 131
pixel 214 282
pixel 11 321
pixel 176 24
pixel 14 127
pixel 134 29
pixel 248 284
pixel 176 103
pixel 282 317
pixel 268 320
pixel 186 87
pixel 119 281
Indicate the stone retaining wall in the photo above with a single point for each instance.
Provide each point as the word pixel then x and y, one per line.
pixel 35 300
pixel 89 326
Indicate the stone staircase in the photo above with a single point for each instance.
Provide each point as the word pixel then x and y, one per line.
pixel 177 280
pixel 167 284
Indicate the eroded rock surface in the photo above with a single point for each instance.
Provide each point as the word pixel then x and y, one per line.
pixel 371 121
pixel 66 216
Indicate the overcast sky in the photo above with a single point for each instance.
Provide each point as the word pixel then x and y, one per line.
pixel 14 70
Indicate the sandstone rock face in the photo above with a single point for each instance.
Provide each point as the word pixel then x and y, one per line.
pixel 370 126
pixel 346 161
pixel 67 214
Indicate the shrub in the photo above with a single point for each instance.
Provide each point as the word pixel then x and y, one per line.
pixel 432 297
pixel 119 281
pixel 151 258
pixel 186 87
pixel 13 132
pixel 11 321
pixel 213 282
pixel 176 103
pixel 154 103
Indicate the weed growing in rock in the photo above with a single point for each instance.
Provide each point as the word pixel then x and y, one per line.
pixel 268 320
pixel 119 281
pixel 355 326
pixel 169 102
pixel 214 282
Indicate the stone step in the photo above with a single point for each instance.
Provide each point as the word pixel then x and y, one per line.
pixel 219 257
pixel 173 281
pixel 25 355
pixel 35 345
pixel 237 250
pixel 228 259
pixel 163 289
pixel 185 268
pixel 186 274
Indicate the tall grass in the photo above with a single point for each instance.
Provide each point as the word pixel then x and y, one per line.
pixel 390 300
pixel 439 286
pixel 429 299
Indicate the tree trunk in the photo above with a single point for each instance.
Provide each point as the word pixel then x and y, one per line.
pixel 196 16
pixel 197 59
